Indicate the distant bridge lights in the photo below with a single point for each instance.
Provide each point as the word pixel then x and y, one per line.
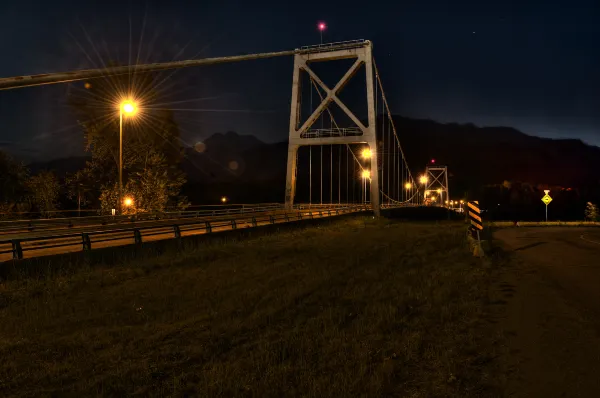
pixel 366 153
pixel 408 185
pixel 224 199
pixel 366 174
pixel 423 179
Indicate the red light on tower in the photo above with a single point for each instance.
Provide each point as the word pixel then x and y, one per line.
pixel 322 26
pixel 432 160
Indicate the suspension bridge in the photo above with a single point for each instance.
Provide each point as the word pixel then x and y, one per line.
pixel 338 159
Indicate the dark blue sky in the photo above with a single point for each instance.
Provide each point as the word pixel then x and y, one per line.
pixel 527 64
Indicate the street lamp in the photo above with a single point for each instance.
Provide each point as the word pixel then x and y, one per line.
pixel 224 199
pixel 128 201
pixel 366 153
pixel 127 108
pixel 423 179
pixel 408 185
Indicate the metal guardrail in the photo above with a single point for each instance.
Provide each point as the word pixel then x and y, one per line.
pixel 70 222
pixel 89 238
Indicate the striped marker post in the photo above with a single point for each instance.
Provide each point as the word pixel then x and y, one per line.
pixel 475 216
pixel 476 226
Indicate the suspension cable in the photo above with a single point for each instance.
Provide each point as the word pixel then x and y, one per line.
pixel 390 116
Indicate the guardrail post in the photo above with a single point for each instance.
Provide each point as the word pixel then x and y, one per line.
pixel 17 250
pixel 287 217
pixel 86 242
pixel 177 231
pixel 208 227
pixel 137 236
pixel 329 212
pixel 254 224
pixel 272 219
pixel 299 215
pixel 233 224
pixel 320 213
pixel 337 212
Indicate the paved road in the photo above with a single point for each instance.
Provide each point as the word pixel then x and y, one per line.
pixel 553 311
pixel 571 256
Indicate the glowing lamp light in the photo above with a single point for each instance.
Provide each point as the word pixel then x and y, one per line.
pixel 408 185
pixel 128 107
pixel 423 179
pixel 432 160
pixel 426 193
pixel 366 174
pixel 366 153
pixel 433 198
pixel 439 191
pixel 322 26
pixel 224 199
pixel 128 201
pixel 462 202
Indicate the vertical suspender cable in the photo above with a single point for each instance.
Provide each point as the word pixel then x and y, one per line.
pixel 310 152
pixel 339 174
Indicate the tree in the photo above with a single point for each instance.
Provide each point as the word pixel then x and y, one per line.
pixel 13 186
pixel 591 212
pixel 150 188
pixel 151 149
pixel 44 189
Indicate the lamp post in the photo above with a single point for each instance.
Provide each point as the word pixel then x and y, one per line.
pixel 127 108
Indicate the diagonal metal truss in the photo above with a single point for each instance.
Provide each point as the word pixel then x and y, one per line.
pixel 437 179
pixel 299 135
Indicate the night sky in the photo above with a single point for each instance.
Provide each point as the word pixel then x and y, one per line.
pixel 527 64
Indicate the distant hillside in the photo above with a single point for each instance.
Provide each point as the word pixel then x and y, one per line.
pixel 221 158
pixel 61 167
pixel 490 155
pixel 475 156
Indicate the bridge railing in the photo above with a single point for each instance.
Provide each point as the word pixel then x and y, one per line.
pixel 84 241
pixel 13 226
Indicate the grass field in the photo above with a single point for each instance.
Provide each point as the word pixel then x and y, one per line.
pixel 355 308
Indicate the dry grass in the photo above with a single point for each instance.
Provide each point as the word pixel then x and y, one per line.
pixel 356 308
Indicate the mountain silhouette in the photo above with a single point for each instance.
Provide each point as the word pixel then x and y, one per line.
pixel 246 168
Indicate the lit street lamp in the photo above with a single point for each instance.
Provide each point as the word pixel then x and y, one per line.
pixel 224 199
pixel 408 185
pixel 423 179
pixel 127 108
pixel 366 153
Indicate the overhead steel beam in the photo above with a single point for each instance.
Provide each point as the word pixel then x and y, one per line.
pixel 65 77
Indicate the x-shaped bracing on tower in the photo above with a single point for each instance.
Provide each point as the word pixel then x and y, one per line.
pixel 332 96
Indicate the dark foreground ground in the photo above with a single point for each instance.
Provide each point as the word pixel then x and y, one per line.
pixel 551 317
pixel 355 308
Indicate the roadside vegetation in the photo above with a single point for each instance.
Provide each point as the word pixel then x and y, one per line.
pixel 357 307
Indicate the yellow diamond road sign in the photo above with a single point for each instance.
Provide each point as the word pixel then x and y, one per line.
pixel 546 199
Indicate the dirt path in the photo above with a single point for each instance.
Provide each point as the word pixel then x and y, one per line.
pixel 551 314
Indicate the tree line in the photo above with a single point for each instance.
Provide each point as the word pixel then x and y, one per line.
pixel 151 157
